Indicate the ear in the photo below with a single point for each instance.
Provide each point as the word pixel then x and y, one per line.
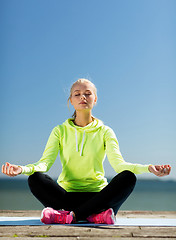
pixel 71 101
pixel 95 101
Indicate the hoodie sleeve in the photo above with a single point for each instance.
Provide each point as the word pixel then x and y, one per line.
pixel 115 157
pixel 49 155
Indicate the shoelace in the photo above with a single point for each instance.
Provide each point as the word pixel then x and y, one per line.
pixel 60 218
pixel 99 218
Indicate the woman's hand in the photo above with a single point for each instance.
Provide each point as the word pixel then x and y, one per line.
pixel 160 170
pixel 11 169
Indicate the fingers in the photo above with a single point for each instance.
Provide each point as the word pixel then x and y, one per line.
pixel 160 170
pixel 5 168
pixel 167 169
pixel 164 170
pixel 155 169
pixel 8 169
pixel 11 173
pixel 2 169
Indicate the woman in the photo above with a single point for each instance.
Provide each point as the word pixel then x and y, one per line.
pixel 81 189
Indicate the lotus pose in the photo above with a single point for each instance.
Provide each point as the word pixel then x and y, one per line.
pixel 82 191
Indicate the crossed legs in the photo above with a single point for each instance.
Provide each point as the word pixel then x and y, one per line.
pixel 83 204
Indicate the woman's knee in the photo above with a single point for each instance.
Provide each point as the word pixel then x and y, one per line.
pixel 126 178
pixel 130 176
pixel 34 178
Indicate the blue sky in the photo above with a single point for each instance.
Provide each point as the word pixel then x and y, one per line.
pixel 127 48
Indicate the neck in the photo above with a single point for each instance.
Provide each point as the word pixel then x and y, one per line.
pixel 83 119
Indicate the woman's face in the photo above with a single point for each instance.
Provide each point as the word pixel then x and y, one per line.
pixel 83 96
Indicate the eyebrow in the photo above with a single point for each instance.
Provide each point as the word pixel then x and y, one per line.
pixel 85 90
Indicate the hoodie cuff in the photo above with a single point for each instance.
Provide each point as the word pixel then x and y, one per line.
pixel 146 167
pixel 27 170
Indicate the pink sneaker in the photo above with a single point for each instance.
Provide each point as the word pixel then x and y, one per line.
pixel 49 215
pixel 106 217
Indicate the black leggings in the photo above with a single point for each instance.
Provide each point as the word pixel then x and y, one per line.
pixel 50 194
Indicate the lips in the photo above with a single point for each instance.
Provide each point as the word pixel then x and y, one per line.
pixel 82 102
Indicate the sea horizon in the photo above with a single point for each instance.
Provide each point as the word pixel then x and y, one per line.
pixel 149 195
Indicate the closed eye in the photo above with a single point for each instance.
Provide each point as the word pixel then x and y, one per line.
pixel 88 93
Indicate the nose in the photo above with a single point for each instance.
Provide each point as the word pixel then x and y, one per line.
pixel 83 96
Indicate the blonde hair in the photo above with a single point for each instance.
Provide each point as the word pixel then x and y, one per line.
pixel 81 80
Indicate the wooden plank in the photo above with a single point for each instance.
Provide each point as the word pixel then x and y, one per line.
pixel 84 232
pixel 83 238
pixel 99 231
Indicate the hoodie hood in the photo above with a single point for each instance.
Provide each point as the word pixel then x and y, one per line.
pixel 91 127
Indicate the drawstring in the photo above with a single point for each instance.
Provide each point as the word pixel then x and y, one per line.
pixel 82 143
pixel 76 137
pixel 76 140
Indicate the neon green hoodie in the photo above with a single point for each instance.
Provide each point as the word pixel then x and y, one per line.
pixel 82 153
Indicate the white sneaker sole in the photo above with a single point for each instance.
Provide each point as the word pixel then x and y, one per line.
pixel 42 215
pixel 113 217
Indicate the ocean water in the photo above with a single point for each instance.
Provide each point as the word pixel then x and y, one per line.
pixel 149 195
